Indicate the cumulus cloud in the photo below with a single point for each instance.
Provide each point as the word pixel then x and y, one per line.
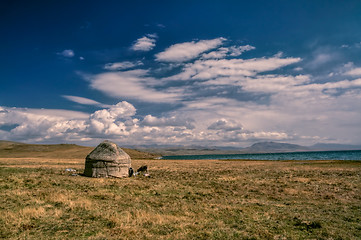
pixel 122 65
pixel 232 131
pixel 120 110
pixel 145 43
pixel 182 52
pixel 67 53
pixel 226 125
pixel 118 122
pixel 112 121
pixel 40 124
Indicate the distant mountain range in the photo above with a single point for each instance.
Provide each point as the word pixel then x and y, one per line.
pixel 335 147
pixel 269 147
pixel 15 149
pixel 260 147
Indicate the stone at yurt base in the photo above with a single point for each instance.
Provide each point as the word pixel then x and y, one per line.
pixel 107 160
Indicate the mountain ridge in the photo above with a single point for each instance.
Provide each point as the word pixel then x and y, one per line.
pixel 9 149
pixel 15 149
pixel 259 147
pixel 273 147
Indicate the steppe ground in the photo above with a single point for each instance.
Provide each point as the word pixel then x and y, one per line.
pixel 182 200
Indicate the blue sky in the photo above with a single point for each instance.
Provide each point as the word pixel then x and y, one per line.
pixel 210 73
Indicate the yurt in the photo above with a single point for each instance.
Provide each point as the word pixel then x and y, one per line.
pixel 107 160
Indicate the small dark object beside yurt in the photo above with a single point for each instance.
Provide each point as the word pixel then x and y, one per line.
pixel 143 169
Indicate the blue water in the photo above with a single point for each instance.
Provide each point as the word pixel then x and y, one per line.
pixel 324 155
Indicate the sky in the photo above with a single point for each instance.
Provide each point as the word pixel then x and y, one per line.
pixel 190 73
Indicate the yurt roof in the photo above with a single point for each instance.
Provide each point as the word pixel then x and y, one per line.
pixel 108 151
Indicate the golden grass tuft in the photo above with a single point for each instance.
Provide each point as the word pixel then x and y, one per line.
pixel 32 212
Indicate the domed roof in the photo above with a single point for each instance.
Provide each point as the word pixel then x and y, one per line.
pixel 109 151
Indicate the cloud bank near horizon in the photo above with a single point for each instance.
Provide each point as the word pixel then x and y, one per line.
pixel 118 123
pixel 215 96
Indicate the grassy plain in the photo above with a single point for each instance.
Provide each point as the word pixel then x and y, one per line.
pixel 182 200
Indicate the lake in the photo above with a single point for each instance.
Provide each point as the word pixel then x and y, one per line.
pixel 322 155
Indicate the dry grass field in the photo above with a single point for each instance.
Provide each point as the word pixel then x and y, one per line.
pixel 182 200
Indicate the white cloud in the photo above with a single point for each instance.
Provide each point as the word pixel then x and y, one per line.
pixel 150 120
pixel 145 43
pixel 210 69
pixel 272 83
pixel 52 113
pixel 112 121
pixel 279 54
pixel 276 84
pixel 182 52
pixel 339 71
pixel 226 125
pixel 236 51
pixel 40 124
pixel 223 52
pixel 219 53
pixel 132 84
pixel 35 125
pixel 117 123
pixel 67 53
pixel 120 110
pixel 122 65
pixel 82 100
pixel 354 72
pixel 120 124
pixel 345 84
